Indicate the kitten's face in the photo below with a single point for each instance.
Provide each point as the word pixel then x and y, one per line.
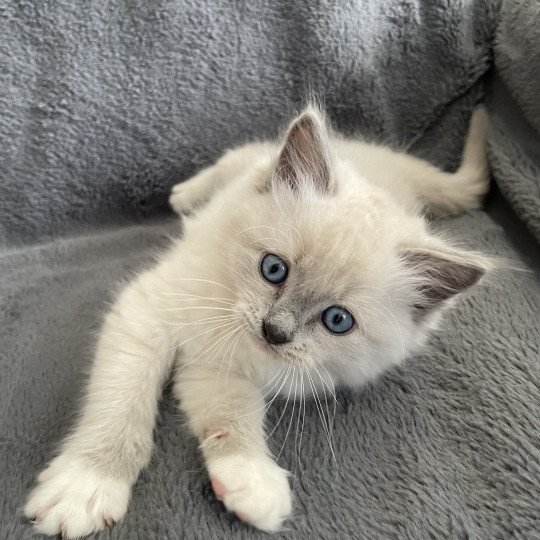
pixel 331 275
pixel 316 277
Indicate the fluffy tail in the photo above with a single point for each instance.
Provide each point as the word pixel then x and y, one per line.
pixel 474 164
pixel 465 189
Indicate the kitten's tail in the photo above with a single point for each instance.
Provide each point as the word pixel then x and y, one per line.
pixel 474 164
pixel 465 188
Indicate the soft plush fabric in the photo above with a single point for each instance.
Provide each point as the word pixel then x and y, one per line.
pixel 515 109
pixel 103 105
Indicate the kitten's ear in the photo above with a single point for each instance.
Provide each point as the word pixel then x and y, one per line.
pixel 304 156
pixel 443 274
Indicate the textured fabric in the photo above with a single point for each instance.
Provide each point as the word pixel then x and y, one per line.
pixel 444 447
pixel 514 147
pixel 104 105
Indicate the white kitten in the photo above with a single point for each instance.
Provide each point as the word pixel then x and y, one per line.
pixel 311 266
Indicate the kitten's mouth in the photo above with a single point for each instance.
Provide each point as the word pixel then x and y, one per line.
pixel 262 344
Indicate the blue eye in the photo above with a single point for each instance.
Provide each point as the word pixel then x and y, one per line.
pixel 337 319
pixel 274 269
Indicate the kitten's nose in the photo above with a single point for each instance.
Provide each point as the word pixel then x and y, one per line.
pixel 275 335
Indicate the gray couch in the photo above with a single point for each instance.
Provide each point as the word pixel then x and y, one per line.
pixel 103 106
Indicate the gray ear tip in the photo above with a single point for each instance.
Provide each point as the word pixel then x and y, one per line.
pixel 444 275
pixel 477 267
pixel 312 114
pixel 472 275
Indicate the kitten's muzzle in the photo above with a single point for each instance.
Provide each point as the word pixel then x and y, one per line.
pixel 274 334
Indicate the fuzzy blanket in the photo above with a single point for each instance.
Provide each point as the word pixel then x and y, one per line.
pixel 104 105
pixel 514 148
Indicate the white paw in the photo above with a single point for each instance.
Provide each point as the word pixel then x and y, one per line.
pixel 187 196
pixel 73 500
pixel 255 488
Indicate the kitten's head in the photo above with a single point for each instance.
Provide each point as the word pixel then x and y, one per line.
pixel 332 274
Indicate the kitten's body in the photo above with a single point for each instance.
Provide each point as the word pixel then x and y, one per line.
pixel 345 216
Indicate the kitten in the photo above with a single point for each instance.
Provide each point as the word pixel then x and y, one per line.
pixel 311 266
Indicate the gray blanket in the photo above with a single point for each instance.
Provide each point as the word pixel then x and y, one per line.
pixel 515 109
pixel 104 105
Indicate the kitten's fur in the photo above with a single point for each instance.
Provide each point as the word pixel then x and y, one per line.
pixel 346 216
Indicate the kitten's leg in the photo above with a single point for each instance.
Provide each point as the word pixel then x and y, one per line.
pixel 188 195
pixel 87 487
pixel 452 193
pixel 225 413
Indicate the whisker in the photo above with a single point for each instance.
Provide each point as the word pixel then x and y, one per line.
pixel 199 297
pixel 240 336
pixel 226 326
pixel 297 234
pixel 260 227
pixel 201 280
pixel 204 320
pixel 287 246
pixel 303 413
pixel 266 406
pixel 238 330
pixel 279 241
pixel 323 381
pixel 284 409
pixel 215 344
pixel 397 326
pixel 295 375
pixel 321 414
pixel 302 400
pixel 330 425
pixel 276 375
pixel 189 308
pixel 278 392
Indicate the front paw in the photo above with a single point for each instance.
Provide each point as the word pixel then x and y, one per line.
pixel 73 500
pixel 254 488
pixel 187 196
